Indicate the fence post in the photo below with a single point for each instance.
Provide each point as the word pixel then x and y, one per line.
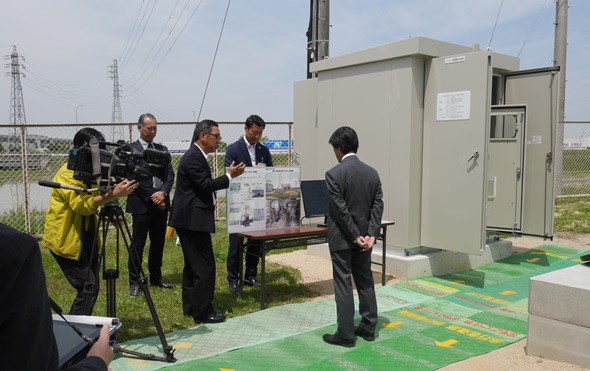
pixel 25 167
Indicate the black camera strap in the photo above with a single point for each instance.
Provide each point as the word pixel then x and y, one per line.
pixel 59 311
pixel 95 157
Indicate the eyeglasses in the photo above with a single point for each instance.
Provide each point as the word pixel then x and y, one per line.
pixel 217 136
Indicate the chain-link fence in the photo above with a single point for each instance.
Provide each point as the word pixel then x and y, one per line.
pixel 575 174
pixel 23 201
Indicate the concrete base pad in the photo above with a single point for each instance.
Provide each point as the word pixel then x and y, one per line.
pixel 558 341
pixel 431 264
pixel 559 328
pixel 570 287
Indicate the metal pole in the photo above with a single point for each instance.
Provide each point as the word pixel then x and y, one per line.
pixel 78 106
pixel 323 40
pixel 560 52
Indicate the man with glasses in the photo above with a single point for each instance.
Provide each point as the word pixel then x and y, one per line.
pixel 149 205
pixel 193 217
pixel 252 153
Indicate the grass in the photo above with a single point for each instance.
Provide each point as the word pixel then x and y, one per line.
pixel 572 215
pixel 284 286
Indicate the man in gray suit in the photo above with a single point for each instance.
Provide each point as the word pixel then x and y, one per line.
pixel 355 211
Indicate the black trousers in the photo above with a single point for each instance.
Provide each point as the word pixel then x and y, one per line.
pixel 198 274
pixel 152 223
pixel 234 259
pixel 78 272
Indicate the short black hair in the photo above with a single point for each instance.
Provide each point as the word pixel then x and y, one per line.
pixel 346 139
pixel 255 120
pixel 203 127
pixel 83 136
pixel 143 117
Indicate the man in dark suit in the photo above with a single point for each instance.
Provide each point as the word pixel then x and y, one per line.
pixel 252 153
pixel 149 205
pixel 25 314
pixel 354 218
pixel 192 215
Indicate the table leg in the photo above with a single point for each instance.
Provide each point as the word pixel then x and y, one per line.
pixel 383 258
pixel 262 273
pixel 241 279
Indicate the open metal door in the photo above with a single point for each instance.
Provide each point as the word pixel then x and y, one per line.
pixel 538 90
pixel 456 121
pixel 505 166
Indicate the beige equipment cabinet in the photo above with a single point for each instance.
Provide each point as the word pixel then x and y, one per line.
pixel 463 140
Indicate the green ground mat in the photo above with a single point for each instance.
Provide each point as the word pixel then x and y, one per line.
pixel 424 324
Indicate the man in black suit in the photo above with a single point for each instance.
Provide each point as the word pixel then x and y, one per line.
pixel 26 324
pixel 149 205
pixel 193 217
pixel 252 153
pixel 354 218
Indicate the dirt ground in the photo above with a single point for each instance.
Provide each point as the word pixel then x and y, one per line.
pixel 317 274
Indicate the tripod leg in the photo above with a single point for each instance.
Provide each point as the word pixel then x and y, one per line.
pixel 118 349
pixel 126 235
pixel 90 289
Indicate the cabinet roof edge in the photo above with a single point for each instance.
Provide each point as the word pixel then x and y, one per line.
pixel 416 47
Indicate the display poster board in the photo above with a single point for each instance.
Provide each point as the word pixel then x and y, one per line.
pixel 264 198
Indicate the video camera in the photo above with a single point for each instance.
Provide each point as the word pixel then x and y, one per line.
pixel 94 162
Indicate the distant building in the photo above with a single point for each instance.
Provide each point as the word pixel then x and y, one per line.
pixel 576 143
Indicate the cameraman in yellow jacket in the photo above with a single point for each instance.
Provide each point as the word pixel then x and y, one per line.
pixel 70 227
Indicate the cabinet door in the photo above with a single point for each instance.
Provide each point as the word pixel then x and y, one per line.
pixel 505 167
pixel 538 90
pixel 456 121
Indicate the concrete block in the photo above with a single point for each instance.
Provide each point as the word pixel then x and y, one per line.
pixel 562 295
pixel 558 341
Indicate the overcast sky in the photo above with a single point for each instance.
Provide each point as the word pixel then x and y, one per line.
pixel 165 51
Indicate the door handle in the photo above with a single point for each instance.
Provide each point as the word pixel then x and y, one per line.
pixel 474 155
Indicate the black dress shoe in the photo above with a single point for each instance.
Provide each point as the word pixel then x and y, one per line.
pixel 134 290
pixel 337 340
pixel 163 284
pixel 363 334
pixel 250 281
pixel 210 318
pixel 233 287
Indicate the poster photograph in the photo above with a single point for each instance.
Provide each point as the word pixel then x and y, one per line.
pixel 264 198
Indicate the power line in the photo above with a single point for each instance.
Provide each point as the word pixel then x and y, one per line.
pixel 166 54
pixel 132 42
pixel 132 29
pixel 213 62
pixel 127 56
pixel 495 24
pixel 531 30
pixel 140 36
pixel 158 39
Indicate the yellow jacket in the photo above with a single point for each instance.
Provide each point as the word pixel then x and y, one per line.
pixel 64 216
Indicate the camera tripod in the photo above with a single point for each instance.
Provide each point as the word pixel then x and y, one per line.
pixel 113 214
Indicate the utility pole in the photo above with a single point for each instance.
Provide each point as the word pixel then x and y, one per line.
pixel 117 131
pixel 318 32
pixel 559 59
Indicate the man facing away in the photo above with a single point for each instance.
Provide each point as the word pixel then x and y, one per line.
pixel 354 218
pixel 193 217
pixel 149 205
pixel 249 151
